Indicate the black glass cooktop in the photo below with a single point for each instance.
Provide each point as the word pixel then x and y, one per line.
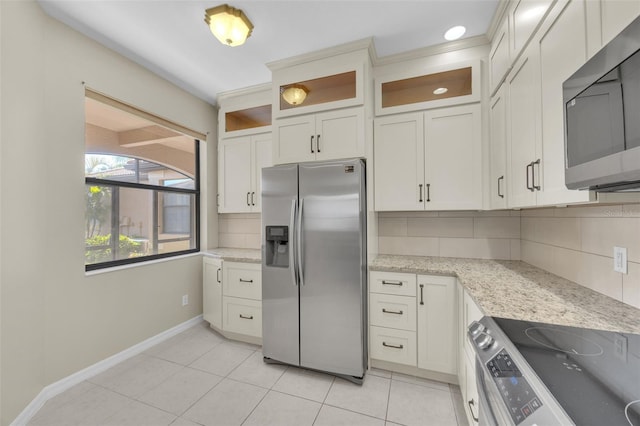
pixel 593 374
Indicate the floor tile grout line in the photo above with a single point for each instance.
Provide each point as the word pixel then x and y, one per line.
pixel 353 411
pixel 203 395
pixel 386 413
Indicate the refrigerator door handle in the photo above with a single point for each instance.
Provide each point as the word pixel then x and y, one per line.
pixel 299 243
pixel 292 249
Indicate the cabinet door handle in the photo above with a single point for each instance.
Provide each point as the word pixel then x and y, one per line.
pixel 392 346
pixel 218 200
pixel 500 194
pixel 312 151
pixel 471 404
pixel 420 186
pixel 529 187
pixel 218 275
pixel 318 143
pixel 245 317
pixel 428 193
pixel 533 174
pixel 248 203
pixel 388 282
pixel 252 201
pixel 392 312
pixel 246 281
pixel 422 294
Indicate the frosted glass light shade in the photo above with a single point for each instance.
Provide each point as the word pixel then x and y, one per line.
pixel 295 94
pixel 229 25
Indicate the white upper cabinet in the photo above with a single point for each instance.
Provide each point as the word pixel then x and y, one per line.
pixel 616 15
pixel 240 163
pixel 244 148
pixel 420 88
pixel 562 49
pixel 523 129
pixel 499 57
pixel 453 158
pixel 429 161
pixel 399 162
pixel 498 150
pixel 328 121
pixel 557 41
pixel 322 136
pixel 524 18
pixel 244 112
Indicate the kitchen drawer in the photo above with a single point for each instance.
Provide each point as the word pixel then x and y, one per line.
pixel 392 345
pixel 242 280
pixel 387 310
pixel 392 283
pixel 242 316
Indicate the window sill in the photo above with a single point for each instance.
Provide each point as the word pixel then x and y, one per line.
pixel 139 264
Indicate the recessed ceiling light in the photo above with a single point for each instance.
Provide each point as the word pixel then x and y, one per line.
pixel 440 91
pixel 455 33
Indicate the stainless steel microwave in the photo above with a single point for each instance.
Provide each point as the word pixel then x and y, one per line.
pixel 602 117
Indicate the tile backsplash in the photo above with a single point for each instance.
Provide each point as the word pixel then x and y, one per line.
pixel 482 235
pixel 577 243
pixel 239 230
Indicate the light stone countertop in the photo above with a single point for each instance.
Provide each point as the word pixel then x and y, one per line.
pixel 517 290
pixel 235 254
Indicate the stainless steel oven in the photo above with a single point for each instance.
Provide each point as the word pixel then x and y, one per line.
pixel 532 373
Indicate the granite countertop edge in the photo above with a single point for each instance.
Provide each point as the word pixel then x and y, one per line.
pixel 235 254
pixel 517 290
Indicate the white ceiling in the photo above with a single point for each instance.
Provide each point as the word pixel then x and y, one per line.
pixel 170 37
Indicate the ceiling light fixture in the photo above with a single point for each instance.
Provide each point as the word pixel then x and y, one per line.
pixel 295 94
pixel 229 25
pixel 455 33
pixel 440 91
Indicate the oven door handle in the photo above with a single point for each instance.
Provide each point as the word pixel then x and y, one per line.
pixel 485 411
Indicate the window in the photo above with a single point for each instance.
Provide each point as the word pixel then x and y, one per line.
pixel 141 189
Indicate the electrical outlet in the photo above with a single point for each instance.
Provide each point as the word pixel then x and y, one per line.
pixel 620 259
pixel 185 300
pixel 620 347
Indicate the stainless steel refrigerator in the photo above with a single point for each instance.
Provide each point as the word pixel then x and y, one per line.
pixel 314 280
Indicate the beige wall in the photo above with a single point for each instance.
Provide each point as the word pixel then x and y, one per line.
pixel 55 320
pixel 577 243
pixel 482 235
pixel 239 230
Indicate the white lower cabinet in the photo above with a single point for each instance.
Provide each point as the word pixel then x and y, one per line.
pixel 413 323
pixel 232 298
pixel 212 291
pixel 468 312
pixel 242 316
pixel 437 323
pixel 391 345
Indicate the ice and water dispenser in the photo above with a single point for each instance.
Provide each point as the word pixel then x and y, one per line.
pixel 277 246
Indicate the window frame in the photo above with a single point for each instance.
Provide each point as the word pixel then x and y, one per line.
pixel 155 189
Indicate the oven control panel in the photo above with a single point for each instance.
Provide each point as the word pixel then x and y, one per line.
pixel 514 389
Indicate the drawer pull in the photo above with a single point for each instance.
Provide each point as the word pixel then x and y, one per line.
pixel 392 346
pixel 244 317
pixel 245 281
pixel 391 312
pixel 390 282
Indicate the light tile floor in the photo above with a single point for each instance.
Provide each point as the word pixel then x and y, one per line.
pixel 200 378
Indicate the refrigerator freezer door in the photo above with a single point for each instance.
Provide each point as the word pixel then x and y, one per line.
pixel 332 305
pixel 280 328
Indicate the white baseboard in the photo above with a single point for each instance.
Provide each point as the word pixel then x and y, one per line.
pixel 68 382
